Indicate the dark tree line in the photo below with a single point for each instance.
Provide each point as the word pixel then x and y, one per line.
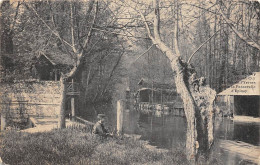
pixel 64 27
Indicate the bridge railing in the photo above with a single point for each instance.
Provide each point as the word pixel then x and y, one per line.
pixel 73 88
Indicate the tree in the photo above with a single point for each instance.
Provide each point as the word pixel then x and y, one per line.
pixel 79 51
pixel 68 27
pixel 8 19
pixel 8 23
pixel 245 38
pixel 199 117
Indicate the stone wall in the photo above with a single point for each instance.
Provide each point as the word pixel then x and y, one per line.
pixel 37 98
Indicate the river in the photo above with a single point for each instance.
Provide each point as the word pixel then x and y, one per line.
pixel 169 131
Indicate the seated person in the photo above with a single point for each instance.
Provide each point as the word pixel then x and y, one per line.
pixel 99 128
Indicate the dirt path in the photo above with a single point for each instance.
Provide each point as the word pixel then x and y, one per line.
pixel 244 150
pixel 47 124
pixel 247 119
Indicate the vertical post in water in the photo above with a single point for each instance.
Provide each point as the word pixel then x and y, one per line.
pixel 55 75
pixel 72 103
pixel 3 122
pixel 152 93
pixel 120 109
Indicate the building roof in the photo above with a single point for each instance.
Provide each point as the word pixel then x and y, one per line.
pixel 169 91
pixel 57 58
pixel 155 85
pixel 245 87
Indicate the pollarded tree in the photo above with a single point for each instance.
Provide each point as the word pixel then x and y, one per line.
pixel 72 28
pixel 197 98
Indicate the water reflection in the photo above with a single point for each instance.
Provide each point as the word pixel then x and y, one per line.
pixel 165 130
pixel 248 133
pixel 237 131
pixel 169 131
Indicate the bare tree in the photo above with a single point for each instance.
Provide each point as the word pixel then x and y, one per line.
pixel 198 110
pixel 79 52
pixel 242 36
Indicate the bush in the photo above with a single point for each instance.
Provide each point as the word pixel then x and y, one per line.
pixel 76 146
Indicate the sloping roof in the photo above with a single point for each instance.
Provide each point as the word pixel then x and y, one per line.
pixel 155 85
pixel 57 58
pixel 248 86
pixel 169 91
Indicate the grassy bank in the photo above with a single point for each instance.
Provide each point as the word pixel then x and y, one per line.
pixel 78 146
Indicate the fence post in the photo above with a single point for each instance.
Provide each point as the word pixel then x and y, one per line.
pixel 3 122
pixel 72 102
pixel 62 121
pixel 120 110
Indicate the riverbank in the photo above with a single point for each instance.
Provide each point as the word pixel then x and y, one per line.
pixel 45 144
pixel 43 124
pixel 244 150
pixel 76 145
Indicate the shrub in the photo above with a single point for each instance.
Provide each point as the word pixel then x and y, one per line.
pixel 76 146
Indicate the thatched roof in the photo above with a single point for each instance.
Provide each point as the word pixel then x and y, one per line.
pixel 155 85
pixel 165 91
pixel 57 58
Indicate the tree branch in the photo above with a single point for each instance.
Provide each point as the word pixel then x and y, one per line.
pixel 156 23
pixel 55 27
pixel 156 40
pixel 106 31
pixel 248 40
pixel 143 53
pixel 143 18
pixel 201 46
pixel 146 25
pixel 72 28
pixel 15 16
pixel 176 40
pixel 90 30
pixel 52 31
pixel 81 55
pixel 111 73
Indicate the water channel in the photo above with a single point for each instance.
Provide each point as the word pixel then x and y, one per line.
pixel 169 131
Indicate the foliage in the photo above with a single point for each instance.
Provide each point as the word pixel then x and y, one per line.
pixel 36 27
pixel 223 58
pixel 76 146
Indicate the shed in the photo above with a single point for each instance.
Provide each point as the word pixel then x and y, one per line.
pixel 144 83
pixel 155 92
pixel 243 98
pixel 49 66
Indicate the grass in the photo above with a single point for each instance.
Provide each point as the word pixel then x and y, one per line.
pixel 77 146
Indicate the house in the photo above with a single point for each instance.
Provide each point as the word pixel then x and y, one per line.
pixel 49 66
pixel 144 83
pixel 21 99
pixel 243 98
pixel 155 92
pixel 156 96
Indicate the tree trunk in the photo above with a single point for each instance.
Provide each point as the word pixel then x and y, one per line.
pixel 6 30
pixel 198 106
pixel 190 110
pixel 63 87
pixel 199 137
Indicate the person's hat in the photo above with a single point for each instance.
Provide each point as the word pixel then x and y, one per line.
pixel 100 116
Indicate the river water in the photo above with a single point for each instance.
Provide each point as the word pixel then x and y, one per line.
pixel 169 131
